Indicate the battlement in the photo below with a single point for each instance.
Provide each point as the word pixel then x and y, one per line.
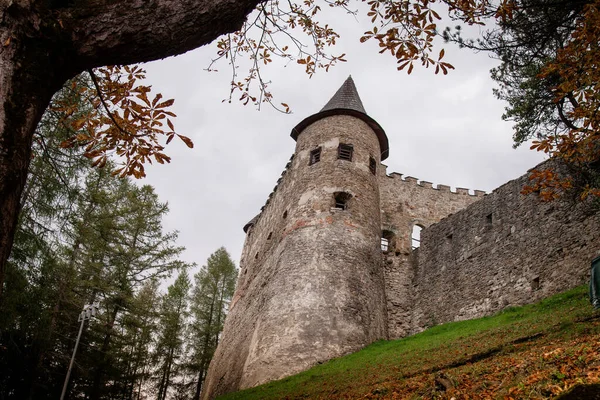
pixel 410 180
pixel 287 167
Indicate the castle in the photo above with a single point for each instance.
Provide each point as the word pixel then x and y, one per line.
pixel 335 261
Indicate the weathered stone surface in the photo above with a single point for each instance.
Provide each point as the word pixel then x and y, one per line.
pixel 504 250
pixel 311 286
pixel 404 204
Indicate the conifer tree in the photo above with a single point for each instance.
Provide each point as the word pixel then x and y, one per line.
pixel 214 287
pixel 84 235
pixel 169 345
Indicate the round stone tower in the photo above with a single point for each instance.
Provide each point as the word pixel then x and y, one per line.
pixel 311 284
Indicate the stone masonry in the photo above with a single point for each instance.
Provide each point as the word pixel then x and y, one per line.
pixel 316 282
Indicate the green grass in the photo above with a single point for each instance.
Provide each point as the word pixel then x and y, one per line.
pixel 467 351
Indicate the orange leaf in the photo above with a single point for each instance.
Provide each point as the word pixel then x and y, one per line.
pixel 187 141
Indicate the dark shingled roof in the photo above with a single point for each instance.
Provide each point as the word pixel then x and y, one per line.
pixel 346 101
pixel 346 97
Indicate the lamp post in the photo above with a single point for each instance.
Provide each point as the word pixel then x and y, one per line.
pixel 89 311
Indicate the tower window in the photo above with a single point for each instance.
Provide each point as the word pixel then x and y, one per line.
pixel 285 214
pixel 315 156
pixel 270 236
pixel 388 241
pixel 341 200
pixel 345 152
pixel 373 165
pixel 416 236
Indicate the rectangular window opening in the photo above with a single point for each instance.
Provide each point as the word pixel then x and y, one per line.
pixel 373 165
pixel 488 219
pixel 315 156
pixel 345 152
pixel 341 200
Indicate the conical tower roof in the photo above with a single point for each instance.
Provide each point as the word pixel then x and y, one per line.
pixel 346 101
pixel 346 97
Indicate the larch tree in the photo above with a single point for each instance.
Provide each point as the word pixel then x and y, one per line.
pixel 213 290
pixel 170 341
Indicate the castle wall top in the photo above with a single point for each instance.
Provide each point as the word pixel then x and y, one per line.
pixel 410 180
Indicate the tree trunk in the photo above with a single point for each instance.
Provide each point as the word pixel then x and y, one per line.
pixel 28 79
pixel 98 383
pixel 43 43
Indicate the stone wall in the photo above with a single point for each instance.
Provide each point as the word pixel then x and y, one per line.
pixel 406 202
pixel 506 249
pixel 311 285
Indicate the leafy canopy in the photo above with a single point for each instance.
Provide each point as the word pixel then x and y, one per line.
pixel 123 120
pixel 548 75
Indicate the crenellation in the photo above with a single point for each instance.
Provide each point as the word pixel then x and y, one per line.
pixel 428 185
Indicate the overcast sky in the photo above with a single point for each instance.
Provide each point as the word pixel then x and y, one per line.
pixel 442 129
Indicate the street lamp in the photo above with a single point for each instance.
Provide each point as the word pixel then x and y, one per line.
pixel 89 311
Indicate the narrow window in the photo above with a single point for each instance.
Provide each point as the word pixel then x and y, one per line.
pixel 488 219
pixel 385 244
pixel 270 235
pixel 373 165
pixel 388 242
pixel 416 236
pixel 256 256
pixel 535 283
pixel 345 152
pixel 285 214
pixel 315 156
pixel 341 200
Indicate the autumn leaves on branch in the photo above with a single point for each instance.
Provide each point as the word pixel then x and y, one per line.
pixel 121 120
pixel 125 121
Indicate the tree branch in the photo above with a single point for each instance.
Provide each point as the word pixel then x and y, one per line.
pixel 114 32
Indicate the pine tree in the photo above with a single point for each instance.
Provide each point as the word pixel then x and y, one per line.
pixel 214 286
pixel 169 346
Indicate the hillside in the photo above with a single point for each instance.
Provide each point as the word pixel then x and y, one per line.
pixel 548 349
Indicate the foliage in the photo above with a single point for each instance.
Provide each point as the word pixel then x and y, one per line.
pixel 405 28
pixel 213 290
pixel 535 351
pixel 120 119
pixel 548 75
pixel 84 235
pixel 575 69
pixel 169 345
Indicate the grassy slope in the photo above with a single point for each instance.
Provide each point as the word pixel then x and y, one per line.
pixel 535 351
